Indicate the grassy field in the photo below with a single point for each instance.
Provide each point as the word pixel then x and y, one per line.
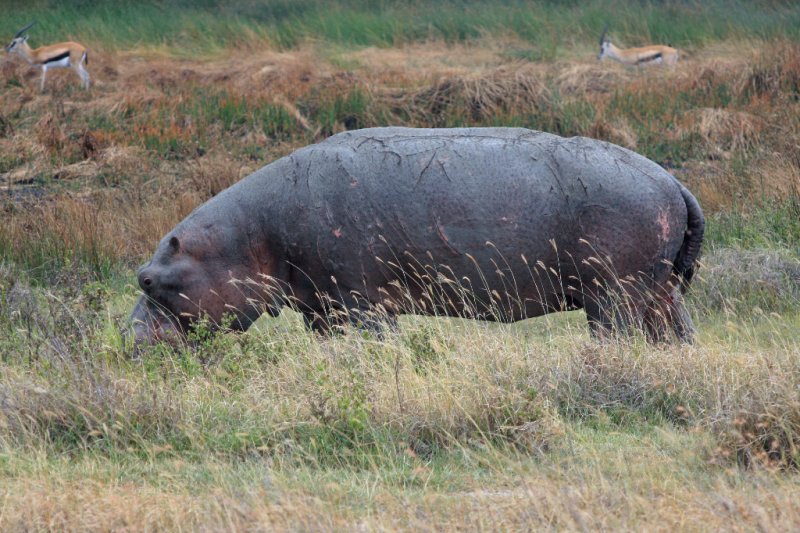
pixel 205 26
pixel 446 423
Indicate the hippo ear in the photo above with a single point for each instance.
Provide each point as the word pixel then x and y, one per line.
pixel 174 243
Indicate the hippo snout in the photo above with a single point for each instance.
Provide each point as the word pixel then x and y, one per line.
pixel 142 334
pixel 150 324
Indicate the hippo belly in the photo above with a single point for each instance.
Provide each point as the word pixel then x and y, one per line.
pixel 491 223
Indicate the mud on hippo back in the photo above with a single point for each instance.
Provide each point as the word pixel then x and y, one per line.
pixel 488 223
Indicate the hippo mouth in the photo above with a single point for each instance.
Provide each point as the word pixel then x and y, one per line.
pixel 151 323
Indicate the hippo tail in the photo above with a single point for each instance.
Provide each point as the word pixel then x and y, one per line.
pixel 684 264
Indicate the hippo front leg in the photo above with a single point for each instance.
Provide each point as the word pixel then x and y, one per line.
pixel 365 320
pixel 321 324
pixel 373 321
pixel 615 313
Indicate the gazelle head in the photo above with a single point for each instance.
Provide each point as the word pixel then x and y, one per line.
pixel 19 38
pixel 605 44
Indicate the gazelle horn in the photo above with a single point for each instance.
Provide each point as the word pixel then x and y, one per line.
pixel 23 30
pixel 603 36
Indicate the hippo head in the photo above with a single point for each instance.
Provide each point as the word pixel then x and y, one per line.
pixel 196 274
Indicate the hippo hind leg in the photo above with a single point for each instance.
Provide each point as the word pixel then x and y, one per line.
pixel 667 316
pixel 613 314
pixel 681 320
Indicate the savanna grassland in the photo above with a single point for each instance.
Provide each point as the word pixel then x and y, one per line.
pixel 445 423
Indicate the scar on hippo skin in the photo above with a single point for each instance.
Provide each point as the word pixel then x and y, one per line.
pixel 426 203
pixel 663 223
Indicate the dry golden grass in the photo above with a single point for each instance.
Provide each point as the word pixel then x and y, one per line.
pixel 726 130
pixel 590 78
pixel 479 97
pixel 85 141
pixel 538 502
pixel 446 425
pixel 418 60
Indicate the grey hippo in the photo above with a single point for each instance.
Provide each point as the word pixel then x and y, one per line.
pixel 497 224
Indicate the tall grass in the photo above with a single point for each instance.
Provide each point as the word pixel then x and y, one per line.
pixel 190 27
pixel 727 130
pixel 769 225
pixel 452 409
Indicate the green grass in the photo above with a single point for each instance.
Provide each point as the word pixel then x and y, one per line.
pixel 771 225
pixel 450 472
pixel 190 27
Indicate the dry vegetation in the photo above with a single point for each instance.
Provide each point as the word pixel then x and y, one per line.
pixel 446 424
pixel 156 137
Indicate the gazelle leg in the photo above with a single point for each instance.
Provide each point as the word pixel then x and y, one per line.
pixel 84 74
pixel 44 76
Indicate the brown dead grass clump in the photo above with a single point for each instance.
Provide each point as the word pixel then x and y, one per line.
pixel 725 130
pixel 778 177
pixel 589 78
pixel 50 134
pixel 534 501
pixel 765 436
pixel 142 216
pixel 514 89
pixel 100 229
pixel 96 506
pixel 774 73
pixel 89 408
pixel 91 142
pixel 617 131
pixel 413 61
pixel 739 281
pixel 71 225
pixel 291 74
pixel 711 181
pixel 717 181
pixel 209 176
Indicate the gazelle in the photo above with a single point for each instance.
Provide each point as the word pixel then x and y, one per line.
pixel 60 55
pixel 637 57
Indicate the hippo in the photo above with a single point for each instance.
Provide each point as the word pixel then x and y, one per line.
pixel 498 224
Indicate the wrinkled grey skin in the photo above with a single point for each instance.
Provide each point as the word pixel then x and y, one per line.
pixel 529 222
